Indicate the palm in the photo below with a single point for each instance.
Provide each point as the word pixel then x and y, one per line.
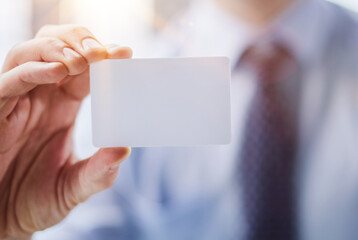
pixel 45 116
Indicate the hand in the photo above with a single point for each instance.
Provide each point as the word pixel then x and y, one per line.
pixel 42 85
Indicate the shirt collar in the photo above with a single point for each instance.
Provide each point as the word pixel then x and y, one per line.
pixel 304 27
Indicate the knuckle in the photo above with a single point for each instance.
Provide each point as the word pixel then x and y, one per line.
pixel 50 44
pixel 56 73
pixel 43 31
pixel 12 55
pixel 53 42
pixel 15 49
pixel 23 74
pixel 78 30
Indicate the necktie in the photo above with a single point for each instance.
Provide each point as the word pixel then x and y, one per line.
pixel 269 145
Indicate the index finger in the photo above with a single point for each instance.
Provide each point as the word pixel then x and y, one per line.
pixel 27 76
pixel 79 38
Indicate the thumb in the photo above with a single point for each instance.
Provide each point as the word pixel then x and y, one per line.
pixel 93 175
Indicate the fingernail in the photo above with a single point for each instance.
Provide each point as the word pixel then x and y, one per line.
pixel 70 54
pixel 90 43
pixel 125 152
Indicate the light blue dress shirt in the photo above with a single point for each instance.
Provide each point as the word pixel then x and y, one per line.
pixel 194 192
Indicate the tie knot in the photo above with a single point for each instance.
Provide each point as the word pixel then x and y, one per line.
pixel 269 61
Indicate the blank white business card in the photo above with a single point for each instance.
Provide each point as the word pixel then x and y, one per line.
pixel 161 102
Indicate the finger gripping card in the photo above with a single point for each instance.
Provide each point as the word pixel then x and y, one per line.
pixel 161 102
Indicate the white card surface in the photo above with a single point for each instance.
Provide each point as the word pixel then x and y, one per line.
pixel 161 102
